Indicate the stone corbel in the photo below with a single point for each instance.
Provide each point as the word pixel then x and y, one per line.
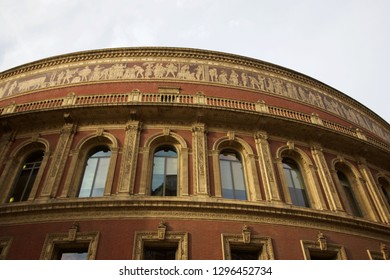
pixel 72 232
pixel 322 241
pixel 246 234
pixel 231 135
pixel 161 230
pixel 290 145
pixel 35 137
pixel 166 131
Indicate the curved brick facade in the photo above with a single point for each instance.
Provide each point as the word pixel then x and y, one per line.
pixel 204 106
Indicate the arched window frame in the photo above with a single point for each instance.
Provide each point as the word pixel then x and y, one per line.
pixel 380 178
pixel 307 170
pixel 92 155
pixel 248 163
pixel 295 167
pixel 79 158
pixel 166 138
pixel 16 160
pixel 356 182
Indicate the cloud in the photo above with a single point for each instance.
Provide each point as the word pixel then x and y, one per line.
pixel 341 43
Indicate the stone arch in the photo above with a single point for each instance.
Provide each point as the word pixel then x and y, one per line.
pixel 80 156
pixel 248 162
pixel 16 159
pixel 357 184
pixel 167 138
pixel 307 169
pixel 383 182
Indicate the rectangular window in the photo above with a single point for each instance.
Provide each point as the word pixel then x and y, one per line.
pixel 71 252
pixel 323 255
pixel 160 251
pixel 245 253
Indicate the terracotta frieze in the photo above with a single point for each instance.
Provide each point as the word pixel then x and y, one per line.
pixel 188 70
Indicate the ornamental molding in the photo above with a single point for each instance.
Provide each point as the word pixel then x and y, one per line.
pixel 208 209
pixel 186 65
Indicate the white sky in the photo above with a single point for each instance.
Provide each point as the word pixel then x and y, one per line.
pixel 343 43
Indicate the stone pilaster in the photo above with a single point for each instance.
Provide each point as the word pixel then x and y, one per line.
pixel 266 167
pixel 200 160
pixel 6 141
pixel 58 161
pixel 373 190
pixel 129 158
pixel 326 179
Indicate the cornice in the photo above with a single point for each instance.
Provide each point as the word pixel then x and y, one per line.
pixel 187 209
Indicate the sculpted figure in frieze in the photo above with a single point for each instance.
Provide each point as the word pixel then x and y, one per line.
pixel 213 72
pixel 270 85
pixel 244 79
pixel 171 70
pixel 261 80
pixel 84 73
pixel 188 71
pixel 159 71
pixel 222 78
pixel 254 82
pixel 233 78
pixel 139 71
pixel 96 73
pixel 199 73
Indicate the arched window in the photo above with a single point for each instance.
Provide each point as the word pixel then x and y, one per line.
pixel 385 187
pixel 95 173
pixel 296 185
pixel 164 175
pixel 232 175
pixel 26 178
pixel 349 194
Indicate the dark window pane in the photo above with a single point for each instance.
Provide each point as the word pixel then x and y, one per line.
pixel 385 186
pixel 245 253
pixel 26 178
pixel 323 255
pixel 351 200
pixel 159 253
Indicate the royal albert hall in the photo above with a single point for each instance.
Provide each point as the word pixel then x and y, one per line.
pixel 174 153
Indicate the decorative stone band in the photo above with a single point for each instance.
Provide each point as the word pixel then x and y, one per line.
pixel 188 70
pixel 137 97
pixel 184 209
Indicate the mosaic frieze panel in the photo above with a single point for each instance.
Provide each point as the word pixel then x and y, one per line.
pixel 188 71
